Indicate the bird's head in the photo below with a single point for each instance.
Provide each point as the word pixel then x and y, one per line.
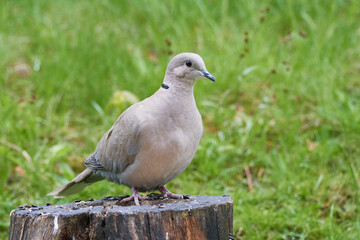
pixel 187 67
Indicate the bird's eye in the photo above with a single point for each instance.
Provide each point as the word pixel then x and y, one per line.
pixel 188 63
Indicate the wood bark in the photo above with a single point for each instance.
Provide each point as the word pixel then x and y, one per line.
pixel 199 217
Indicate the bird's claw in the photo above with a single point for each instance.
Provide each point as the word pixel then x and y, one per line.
pixel 135 196
pixel 166 193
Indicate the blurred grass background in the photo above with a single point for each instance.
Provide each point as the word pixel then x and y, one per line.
pixel 281 123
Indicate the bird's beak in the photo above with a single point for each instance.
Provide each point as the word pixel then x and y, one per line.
pixel 208 75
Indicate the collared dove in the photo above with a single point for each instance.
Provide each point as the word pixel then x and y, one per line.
pixel 154 140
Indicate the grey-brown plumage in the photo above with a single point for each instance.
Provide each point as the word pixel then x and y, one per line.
pixel 153 141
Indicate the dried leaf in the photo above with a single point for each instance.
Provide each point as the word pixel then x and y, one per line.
pixel 311 145
pixel 303 33
pixel 19 171
pixel 21 69
pixel 272 122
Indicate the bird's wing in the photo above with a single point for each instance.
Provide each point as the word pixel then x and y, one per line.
pixel 119 146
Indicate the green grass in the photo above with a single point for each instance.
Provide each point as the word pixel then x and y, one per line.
pixel 286 103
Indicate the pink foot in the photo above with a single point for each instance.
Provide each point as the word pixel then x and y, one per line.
pixel 135 197
pixel 167 193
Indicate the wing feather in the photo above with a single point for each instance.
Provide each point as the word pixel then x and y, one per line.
pixel 119 146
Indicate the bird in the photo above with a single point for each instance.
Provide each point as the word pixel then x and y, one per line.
pixel 153 141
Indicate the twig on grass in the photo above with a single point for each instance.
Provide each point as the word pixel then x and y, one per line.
pixel 16 148
pixel 249 179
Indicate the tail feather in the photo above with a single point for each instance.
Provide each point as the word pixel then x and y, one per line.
pixel 76 185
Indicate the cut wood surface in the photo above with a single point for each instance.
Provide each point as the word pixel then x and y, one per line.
pixel 199 217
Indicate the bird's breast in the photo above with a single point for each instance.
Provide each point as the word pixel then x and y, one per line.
pixel 166 151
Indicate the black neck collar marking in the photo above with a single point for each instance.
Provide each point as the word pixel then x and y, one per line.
pixel 164 86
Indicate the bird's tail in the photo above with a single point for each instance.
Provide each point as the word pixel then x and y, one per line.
pixel 76 185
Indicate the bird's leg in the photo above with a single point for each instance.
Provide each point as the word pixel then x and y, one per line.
pixel 167 193
pixel 135 196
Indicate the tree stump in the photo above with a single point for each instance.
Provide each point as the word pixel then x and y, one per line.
pixel 199 217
